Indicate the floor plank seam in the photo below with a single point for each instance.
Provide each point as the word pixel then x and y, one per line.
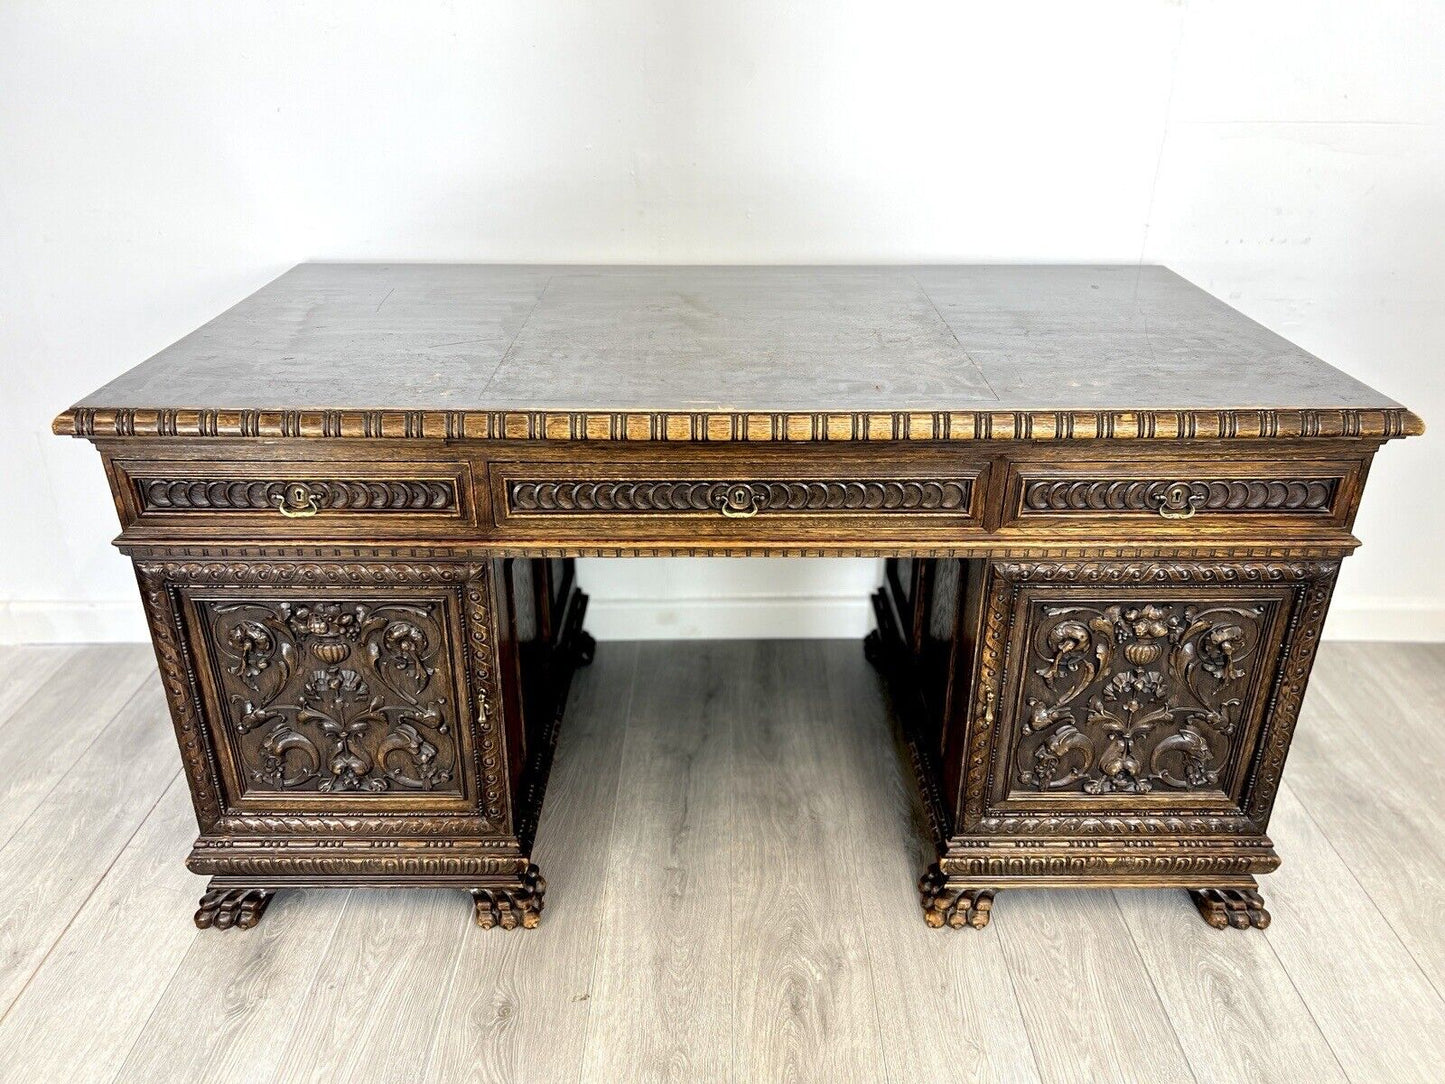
pixel 1309 1009
pixel 163 986
pixel 90 893
pixel 607 874
pixel 319 977
pixel 855 881
pixel 1364 890
pixel 1013 985
pixel 39 685
pixel 76 759
pixel 443 1003
pixel 1153 985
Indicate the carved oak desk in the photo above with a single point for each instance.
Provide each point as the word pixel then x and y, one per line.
pixel 1113 508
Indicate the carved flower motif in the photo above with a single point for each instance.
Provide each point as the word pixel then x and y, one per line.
pixel 323 619
pixel 1147 622
pixel 405 640
pixel 1129 686
pixel 335 685
pixel 254 644
pixel 1068 642
pixel 1217 649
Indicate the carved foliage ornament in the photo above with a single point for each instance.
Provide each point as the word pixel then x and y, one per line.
pixel 1136 696
pixel 334 696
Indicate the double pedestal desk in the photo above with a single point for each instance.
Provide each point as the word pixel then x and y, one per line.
pixel 1113 510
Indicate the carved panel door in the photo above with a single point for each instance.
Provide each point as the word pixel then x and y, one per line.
pixel 1118 698
pixel 307 694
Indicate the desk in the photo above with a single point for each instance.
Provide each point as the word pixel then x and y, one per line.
pixel 1113 510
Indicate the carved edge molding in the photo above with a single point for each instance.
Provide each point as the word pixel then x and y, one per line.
pixel 700 426
pixel 182 692
pixel 279 868
pixel 160 585
pixel 1315 579
pixel 1282 709
pixel 210 553
pixel 995 867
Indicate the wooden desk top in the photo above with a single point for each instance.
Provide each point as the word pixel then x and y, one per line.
pixel 734 353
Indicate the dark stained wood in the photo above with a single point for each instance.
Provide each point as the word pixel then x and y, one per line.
pixel 758 354
pixel 353 503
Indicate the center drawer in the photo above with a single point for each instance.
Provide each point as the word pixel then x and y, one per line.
pixel 715 497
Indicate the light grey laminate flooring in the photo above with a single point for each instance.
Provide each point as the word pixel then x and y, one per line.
pixel 730 846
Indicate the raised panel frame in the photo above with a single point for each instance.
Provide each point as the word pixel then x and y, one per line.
pixel 995 704
pixel 167 588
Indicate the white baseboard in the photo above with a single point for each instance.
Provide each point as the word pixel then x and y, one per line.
pixel 784 617
pixel 1385 619
pixel 116 622
pixel 776 617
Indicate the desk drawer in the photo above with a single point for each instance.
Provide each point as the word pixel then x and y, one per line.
pixel 299 498
pixel 1319 492
pixel 705 497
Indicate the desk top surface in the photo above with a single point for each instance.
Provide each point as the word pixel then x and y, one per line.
pixel 749 343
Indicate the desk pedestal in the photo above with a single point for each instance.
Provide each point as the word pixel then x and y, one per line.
pixel 1099 723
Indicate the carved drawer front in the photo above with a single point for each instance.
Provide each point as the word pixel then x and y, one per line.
pixel 1133 692
pixel 332 699
pixel 1319 492
pixel 298 498
pixel 690 499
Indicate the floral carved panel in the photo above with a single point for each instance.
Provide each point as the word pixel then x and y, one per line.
pixel 346 698
pixel 1150 696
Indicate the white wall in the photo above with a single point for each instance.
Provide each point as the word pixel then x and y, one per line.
pixel 160 160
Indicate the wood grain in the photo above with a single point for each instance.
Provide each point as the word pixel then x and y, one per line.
pixel 519 1007
pixel 736 353
pixel 1376 827
pixel 24 669
pixel 107 971
pixel 1230 1001
pixel 662 998
pixel 802 980
pixel 946 1006
pixel 1369 997
pixel 1088 1001
pixel 51 730
pixel 247 990
pixel 374 993
pixel 52 860
pixel 1125 988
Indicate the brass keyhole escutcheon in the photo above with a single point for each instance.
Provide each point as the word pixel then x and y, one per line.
pixel 739 502
pixel 1179 501
pixel 297 502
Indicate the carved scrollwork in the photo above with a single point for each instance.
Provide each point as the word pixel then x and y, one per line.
pixel 1128 697
pixel 1062 496
pixel 418 495
pixel 582 497
pixel 336 696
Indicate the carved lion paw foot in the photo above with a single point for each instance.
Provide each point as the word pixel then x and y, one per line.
pixel 1224 907
pixel 953 907
pixel 222 908
pixel 510 907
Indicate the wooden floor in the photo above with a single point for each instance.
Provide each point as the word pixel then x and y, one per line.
pixel 730 850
